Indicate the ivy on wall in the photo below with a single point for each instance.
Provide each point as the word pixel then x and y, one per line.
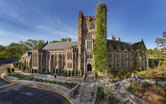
pixel 99 49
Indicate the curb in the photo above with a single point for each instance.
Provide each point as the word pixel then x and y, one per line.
pixel 37 88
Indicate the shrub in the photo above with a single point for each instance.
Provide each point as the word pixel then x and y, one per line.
pixel 135 84
pixel 53 70
pixel 165 87
pixel 161 78
pixel 12 70
pixel 129 88
pixel 8 70
pixel 100 93
pixel 71 85
pixel 71 73
pixel 62 71
pixel 145 84
pixel 68 73
pixel 75 72
pixel 59 71
pixel 56 71
pixel 47 71
pixel 81 73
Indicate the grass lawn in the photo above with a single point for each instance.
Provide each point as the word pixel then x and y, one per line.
pixel 153 94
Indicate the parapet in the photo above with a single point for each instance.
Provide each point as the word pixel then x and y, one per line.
pixel 90 18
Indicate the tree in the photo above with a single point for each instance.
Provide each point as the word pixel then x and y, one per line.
pixel 150 51
pixel 16 50
pixel 161 42
pixel 99 48
pixel 54 41
pixel 34 44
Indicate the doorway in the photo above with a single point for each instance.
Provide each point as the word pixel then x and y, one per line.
pixel 89 67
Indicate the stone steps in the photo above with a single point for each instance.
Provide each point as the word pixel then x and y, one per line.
pixel 85 92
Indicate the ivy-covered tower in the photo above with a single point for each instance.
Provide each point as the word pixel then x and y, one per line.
pixel 86 36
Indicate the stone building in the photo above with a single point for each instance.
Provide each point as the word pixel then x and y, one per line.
pixel 79 55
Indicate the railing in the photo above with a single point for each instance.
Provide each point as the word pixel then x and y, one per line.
pixel 72 91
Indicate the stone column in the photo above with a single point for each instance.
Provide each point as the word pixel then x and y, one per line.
pixel 46 59
pixel 53 63
pixel 85 63
pixel 62 60
pixel 41 56
pixel 58 61
pixel 50 59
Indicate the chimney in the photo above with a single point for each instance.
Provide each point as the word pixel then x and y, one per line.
pixel 68 39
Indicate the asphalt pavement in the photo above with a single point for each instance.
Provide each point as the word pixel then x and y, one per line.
pixel 18 94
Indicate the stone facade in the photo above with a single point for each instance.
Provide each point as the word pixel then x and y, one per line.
pixel 79 56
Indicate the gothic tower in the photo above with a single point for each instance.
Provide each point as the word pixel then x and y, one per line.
pixel 86 37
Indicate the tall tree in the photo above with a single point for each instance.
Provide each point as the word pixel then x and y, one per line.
pixel 34 44
pixel 161 42
pixel 99 48
pixel 16 50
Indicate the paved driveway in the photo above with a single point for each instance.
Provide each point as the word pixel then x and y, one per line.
pixel 17 94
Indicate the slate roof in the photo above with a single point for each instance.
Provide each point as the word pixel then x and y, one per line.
pixel 59 45
pixel 115 43
pixel 135 45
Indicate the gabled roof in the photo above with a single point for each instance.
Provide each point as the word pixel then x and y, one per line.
pixel 123 45
pixel 59 45
pixel 27 54
pixel 136 45
pixel 115 43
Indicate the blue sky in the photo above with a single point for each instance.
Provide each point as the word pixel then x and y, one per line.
pixel 132 20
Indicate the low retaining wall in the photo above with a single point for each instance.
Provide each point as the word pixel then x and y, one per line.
pixel 65 91
pixel 51 77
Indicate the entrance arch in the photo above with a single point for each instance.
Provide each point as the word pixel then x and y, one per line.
pixel 89 67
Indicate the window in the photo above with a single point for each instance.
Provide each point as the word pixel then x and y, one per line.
pixel 93 26
pixel 89 36
pixel 85 26
pixel 117 55
pixel 69 56
pixel 89 56
pixel 69 65
pixel 110 55
pixel 89 45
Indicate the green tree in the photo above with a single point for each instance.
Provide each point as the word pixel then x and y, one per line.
pixel 150 51
pixel 34 44
pixel 99 49
pixel 54 41
pixel 16 50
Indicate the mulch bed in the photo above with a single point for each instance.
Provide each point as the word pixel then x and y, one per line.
pixel 153 94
